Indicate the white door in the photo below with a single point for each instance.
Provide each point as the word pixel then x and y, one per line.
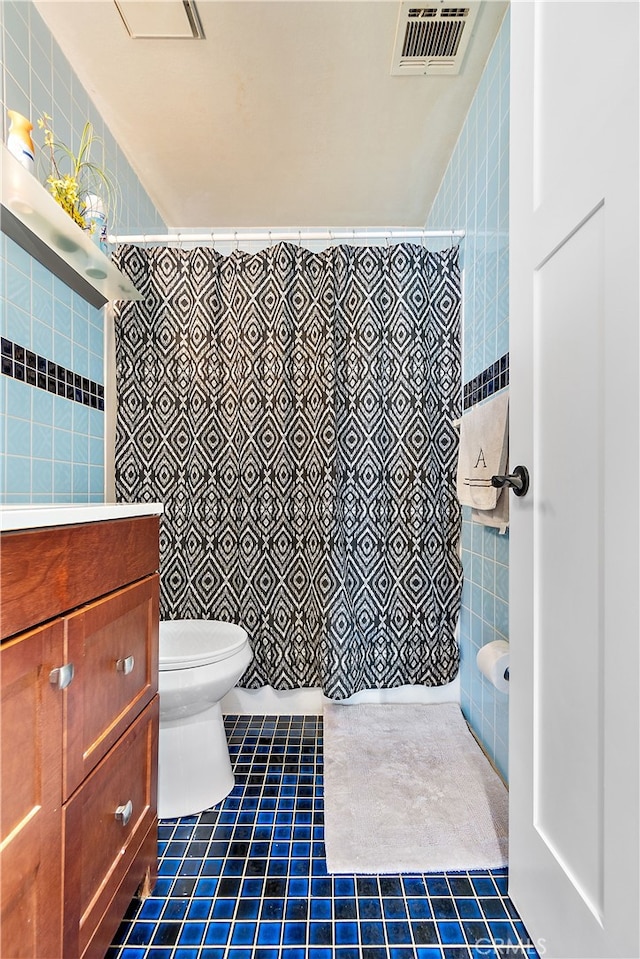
pixel 574 299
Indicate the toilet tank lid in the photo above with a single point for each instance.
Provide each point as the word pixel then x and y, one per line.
pixel 196 642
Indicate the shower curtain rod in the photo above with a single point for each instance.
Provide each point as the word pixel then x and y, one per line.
pixel 292 236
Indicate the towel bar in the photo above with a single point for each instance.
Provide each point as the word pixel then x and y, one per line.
pixel 518 481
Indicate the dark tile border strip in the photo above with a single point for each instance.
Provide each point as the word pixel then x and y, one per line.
pixel 28 367
pixel 485 384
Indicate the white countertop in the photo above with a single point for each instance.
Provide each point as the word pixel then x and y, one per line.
pixel 39 515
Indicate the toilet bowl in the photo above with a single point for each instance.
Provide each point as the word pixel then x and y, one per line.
pixel 200 661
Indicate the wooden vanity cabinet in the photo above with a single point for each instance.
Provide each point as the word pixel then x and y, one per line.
pixel 79 734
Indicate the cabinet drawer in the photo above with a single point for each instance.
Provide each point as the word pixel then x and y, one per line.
pixel 99 843
pixel 46 572
pixel 113 645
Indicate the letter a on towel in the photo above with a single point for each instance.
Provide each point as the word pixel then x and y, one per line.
pixel 484 441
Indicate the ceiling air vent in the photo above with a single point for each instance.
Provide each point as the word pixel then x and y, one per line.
pixel 431 38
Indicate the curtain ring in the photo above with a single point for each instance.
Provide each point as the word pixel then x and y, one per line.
pixel 179 243
pixel 299 240
pixel 270 240
pixel 213 242
pixel 235 237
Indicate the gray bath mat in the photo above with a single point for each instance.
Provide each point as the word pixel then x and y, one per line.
pixel 408 789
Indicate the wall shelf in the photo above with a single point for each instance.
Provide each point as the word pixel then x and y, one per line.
pixel 33 219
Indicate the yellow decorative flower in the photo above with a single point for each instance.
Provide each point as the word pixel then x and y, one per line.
pixel 74 176
pixel 65 191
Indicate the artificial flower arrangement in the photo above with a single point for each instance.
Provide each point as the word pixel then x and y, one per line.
pixel 74 180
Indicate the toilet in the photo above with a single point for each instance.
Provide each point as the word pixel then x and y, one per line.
pixel 200 661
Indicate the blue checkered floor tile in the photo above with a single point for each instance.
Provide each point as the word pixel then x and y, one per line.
pixel 248 879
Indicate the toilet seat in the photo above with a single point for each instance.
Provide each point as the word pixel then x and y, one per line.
pixel 185 643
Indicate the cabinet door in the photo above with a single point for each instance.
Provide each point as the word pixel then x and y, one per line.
pixel 106 822
pixel 113 644
pixel 30 808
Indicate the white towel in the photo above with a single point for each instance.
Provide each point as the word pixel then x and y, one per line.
pixel 498 517
pixel 484 433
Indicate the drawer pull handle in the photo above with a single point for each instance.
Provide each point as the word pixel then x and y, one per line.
pixel 125 665
pixel 61 676
pixel 123 813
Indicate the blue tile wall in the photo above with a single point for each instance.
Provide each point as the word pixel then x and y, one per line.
pixel 474 196
pixel 52 449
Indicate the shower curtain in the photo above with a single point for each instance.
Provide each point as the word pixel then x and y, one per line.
pixel 293 411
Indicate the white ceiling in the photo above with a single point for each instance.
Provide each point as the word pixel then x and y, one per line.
pixel 285 115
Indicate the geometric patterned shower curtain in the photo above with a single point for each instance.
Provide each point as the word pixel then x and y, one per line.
pixel 293 411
